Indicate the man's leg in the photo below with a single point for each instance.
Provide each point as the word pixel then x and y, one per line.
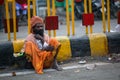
pixel 54 42
pixel 24 15
pixel 55 64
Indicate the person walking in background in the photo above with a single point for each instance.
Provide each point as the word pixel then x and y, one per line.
pixel 21 11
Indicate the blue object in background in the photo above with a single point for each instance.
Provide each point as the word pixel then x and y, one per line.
pixel 18 8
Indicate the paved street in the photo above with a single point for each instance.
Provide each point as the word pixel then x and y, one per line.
pixel 92 70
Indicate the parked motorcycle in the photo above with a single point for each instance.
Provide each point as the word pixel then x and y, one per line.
pixel 79 9
pixel 117 4
pixel 114 8
pixel 97 9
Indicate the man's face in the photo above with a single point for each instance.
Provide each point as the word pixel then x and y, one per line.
pixel 39 29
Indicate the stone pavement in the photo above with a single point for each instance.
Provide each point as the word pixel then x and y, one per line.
pixel 94 67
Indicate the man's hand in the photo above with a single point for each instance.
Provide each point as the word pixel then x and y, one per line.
pixel 37 36
pixel 48 48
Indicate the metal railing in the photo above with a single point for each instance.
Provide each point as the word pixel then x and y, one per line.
pixel 86 11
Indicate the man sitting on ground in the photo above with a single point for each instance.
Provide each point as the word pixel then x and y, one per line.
pixel 42 49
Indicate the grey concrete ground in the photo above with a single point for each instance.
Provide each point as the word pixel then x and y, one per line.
pixel 94 69
pixel 62 31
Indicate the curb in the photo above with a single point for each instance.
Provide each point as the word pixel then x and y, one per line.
pixel 26 72
pixel 96 44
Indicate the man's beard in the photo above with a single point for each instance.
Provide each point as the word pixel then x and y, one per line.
pixel 40 32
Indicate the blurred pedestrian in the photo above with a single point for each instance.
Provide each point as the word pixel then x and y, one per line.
pixel 21 11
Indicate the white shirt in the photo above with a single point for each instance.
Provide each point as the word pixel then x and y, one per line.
pixel 40 46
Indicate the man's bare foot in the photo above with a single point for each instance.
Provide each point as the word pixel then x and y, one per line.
pixel 57 67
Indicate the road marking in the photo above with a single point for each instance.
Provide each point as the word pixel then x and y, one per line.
pixel 49 70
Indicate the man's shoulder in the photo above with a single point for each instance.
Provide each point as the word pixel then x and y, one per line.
pixel 30 36
pixel 45 34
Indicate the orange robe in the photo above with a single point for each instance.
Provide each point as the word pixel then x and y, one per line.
pixel 40 59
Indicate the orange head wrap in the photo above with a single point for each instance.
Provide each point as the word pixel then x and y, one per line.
pixel 34 20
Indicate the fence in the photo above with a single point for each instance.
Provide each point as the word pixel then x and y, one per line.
pixel 86 15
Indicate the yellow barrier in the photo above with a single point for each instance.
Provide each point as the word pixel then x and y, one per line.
pixel 103 17
pixel 54 13
pixel 103 14
pixel 73 21
pixel 85 11
pixel 108 13
pixel 34 7
pixel 48 14
pixel 90 11
pixel 67 18
pixel 101 48
pixel 7 17
pixel 28 16
pixel 14 18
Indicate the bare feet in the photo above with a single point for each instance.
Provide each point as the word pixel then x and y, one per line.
pixel 56 66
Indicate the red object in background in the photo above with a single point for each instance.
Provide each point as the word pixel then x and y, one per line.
pixel 11 25
pixel 88 19
pixel 60 0
pixel 21 1
pixel 119 17
pixel 78 0
pixel 51 23
pixel 24 6
pixel 1 2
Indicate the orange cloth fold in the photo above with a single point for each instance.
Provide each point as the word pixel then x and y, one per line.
pixel 40 59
